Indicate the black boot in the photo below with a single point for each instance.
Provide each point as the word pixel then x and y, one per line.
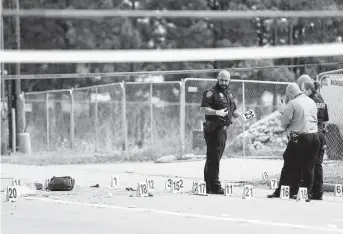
pixel 216 189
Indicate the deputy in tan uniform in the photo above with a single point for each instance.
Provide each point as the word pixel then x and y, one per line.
pixel 299 120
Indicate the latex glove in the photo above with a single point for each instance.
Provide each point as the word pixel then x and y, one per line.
pixel 222 112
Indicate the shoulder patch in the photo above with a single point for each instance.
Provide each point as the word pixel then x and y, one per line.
pixel 209 94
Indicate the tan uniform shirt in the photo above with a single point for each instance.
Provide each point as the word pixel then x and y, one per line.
pixel 300 114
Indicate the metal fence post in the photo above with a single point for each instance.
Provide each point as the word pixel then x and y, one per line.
pixel 151 116
pixel 72 124
pixel 47 121
pixel 243 110
pixel 96 120
pixel 182 116
pixel 124 116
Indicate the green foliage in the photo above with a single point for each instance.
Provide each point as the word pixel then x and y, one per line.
pixel 162 33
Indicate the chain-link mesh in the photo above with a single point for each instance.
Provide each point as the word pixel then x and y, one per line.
pixel 332 91
pixel 84 119
pixel 109 125
pixel 153 116
pixel 59 119
pixel 258 138
pixel 166 118
pixel 138 115
pixel 36 120
pixel 264 99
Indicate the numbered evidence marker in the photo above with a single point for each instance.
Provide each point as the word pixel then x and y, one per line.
pixel 302 194
pixel 46 184
pixel 115 182
pixel 247 192
pixel 265 176
pixel 194 187
pixel 168 185
pixel 228 191
pixel 142 189
pixel 174 185
pixel 177 186
pixel 338 190
pixel 16 182
pixel 273 184
pixel 12 194
pixel 200 188
pixel 151 185
pixel 284 192
pixel 243 118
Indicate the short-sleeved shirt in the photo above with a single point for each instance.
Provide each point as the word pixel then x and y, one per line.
pixel 300 115
pixel 323 114
pixel 218 99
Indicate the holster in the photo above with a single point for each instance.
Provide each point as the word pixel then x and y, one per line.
pixel 209 126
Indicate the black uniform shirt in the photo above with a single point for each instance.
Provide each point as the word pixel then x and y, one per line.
pixel 323 114
pixel 218 99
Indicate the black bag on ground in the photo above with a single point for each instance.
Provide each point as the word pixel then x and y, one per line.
pixel 62 183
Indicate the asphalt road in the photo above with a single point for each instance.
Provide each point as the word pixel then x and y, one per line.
pixel 170 213
pixel 105 210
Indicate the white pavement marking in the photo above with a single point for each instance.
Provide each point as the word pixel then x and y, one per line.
pixel 190 215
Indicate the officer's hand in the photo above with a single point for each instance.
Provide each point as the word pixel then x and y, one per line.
pixel 282 106
pixel 222 112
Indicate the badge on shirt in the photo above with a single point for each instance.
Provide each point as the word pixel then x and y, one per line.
pixel 209 94
pixel 221 95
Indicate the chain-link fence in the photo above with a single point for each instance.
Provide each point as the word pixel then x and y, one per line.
pixel 164 118
pixel 153 116
pixel 332 91
pixel 48 119
pixel 160 118
pixel 107 118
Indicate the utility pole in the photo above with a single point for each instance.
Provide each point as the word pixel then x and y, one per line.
pixel 2 83
pixel 18 98
pixel 2 65
pixel 14 86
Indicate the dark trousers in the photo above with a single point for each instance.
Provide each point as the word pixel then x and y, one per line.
pixel 299 163
pixel 215 142
pixel 318 180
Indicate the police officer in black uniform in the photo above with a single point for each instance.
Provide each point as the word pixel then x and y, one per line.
pixel 310 88
pixel 219 107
